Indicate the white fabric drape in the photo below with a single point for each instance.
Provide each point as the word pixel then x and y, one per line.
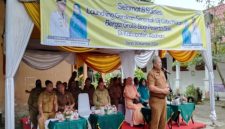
pixel 128 63
pixel 18 30
pixel 71 58
pixel 43 60
pixel 142 59
pixel 207 56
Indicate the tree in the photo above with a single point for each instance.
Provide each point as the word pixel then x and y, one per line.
pixel 218 45
pixel 211 3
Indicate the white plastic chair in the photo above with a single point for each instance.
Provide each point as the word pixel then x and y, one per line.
pixel 84 105
pixel 129 116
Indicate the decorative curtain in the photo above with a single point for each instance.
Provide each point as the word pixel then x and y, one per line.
pixel 183 56
pixel 104 63
pixel 18 30
pixel 76 49
pixel 33 9
pixel 162 53
pixel 128 63
pixel 142 59
pixel 43 60
pixel 207 56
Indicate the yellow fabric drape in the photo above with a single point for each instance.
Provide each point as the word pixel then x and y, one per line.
pixel 33 9
pixel 104 63
pixel 162 53
pixel 76 49
pixel 183 56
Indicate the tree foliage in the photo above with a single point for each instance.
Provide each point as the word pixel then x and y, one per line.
pixel 139 74
pixel 211 3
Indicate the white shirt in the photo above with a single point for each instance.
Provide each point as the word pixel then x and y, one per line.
pixel 59 24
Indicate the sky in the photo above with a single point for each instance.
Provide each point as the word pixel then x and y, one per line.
pixel 190 4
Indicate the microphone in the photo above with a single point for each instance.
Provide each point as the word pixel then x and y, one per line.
pixel 165 70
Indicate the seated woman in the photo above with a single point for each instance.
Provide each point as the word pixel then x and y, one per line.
pixel 144 92
pixel 101 96
pixel 131 95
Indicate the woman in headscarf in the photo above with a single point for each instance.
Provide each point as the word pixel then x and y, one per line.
pixel 131 101
pixel 143 91
pixel 78 24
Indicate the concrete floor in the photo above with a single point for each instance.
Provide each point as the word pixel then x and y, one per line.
pixel 202 112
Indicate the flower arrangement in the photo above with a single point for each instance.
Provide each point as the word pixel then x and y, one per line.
pixel 109 109
pixel 68 114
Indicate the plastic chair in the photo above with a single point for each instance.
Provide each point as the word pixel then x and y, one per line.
pixel 129 116
pixel 84 105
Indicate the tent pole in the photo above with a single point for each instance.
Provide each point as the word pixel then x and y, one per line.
pixel 177 83
pixel 9 80
pixel 85 73
pixel 9 103
pixel 206 84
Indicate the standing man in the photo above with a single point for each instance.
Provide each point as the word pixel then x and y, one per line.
pixel 71 82
pixel 159 89
pixel 47 104
pixel 74 88
pixel 90 89
pixel 115 92
pixel 33 103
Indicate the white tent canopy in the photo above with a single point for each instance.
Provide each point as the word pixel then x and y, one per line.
pixel 18 30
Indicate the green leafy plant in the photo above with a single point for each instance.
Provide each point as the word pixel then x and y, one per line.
pixel 139 74
pixel 81 80
pixel 97 76
pixel 108 76
pixel 191 91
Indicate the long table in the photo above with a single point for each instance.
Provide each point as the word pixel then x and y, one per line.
pixel 147 115
pixel 81 123
pixel 184 110
pixel 173 113
pixel 111 121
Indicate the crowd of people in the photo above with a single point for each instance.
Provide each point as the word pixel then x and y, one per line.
pixel 45 102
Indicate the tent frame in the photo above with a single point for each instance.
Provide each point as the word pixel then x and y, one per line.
pixel 18 30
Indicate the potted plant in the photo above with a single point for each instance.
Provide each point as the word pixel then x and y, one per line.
pixel 191 93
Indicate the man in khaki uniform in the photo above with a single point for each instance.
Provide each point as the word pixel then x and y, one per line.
pixel 101 96
pixel 33 103
pixel 47 104
pixel 65 99
pixel 159 89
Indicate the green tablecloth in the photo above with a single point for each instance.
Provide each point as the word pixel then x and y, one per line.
pixel 73 124
pixel 111 121
pixel 169 113
pixel 147 113
pixel 186 110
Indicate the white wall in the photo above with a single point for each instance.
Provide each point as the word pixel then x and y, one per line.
pixel 197 77
pixel 187 77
